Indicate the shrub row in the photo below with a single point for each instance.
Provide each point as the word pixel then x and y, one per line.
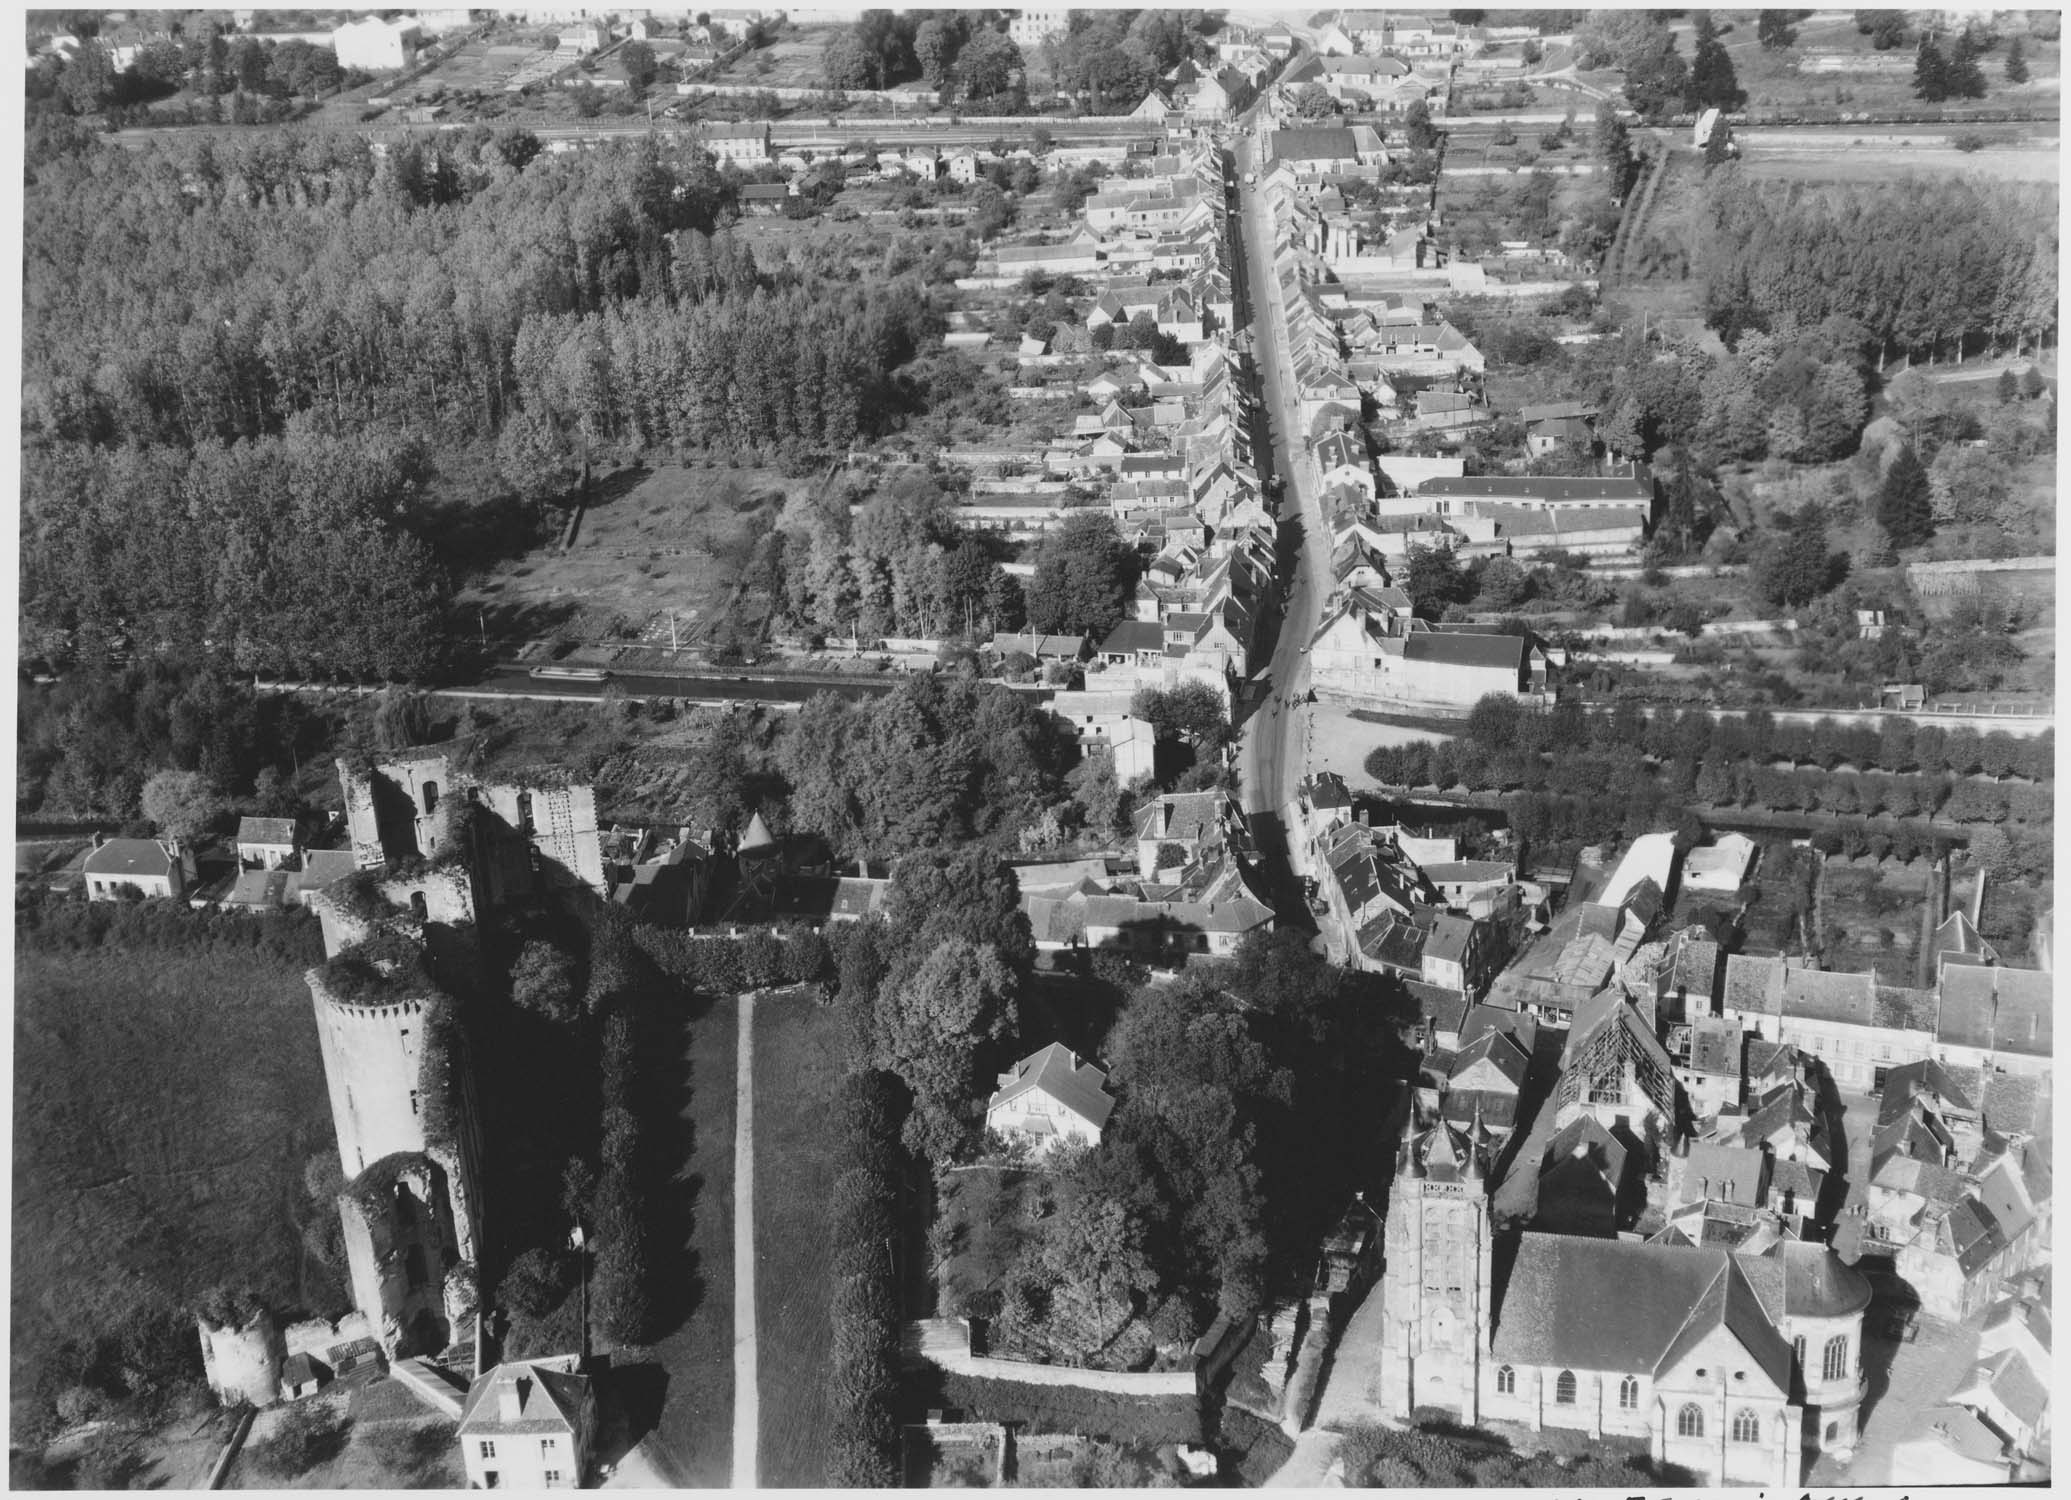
pixel 1716 780
pixel 863 1376
pixel 64 926
pixel 1070 1408
pixel 1665 733
pixel 728 965
pixel 624 1270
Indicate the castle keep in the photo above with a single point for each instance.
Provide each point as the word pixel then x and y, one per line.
pixel 434 849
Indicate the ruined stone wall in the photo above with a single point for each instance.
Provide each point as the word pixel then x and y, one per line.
pixel 243 1364
pixel 400 1242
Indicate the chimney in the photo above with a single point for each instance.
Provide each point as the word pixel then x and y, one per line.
pixel 511 1407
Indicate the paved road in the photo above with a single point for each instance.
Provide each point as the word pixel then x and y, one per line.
pixel 1270 757
pixel 747 1406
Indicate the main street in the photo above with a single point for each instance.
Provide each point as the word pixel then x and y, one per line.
pixel 1270 757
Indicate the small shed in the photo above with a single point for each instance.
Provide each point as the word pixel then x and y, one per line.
pixel 302 1375
pixel 355 1357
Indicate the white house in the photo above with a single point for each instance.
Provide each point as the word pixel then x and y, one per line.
pixel 266 843
pixel 118 867
pixel 1719 866
pixel 745 142
pixel 1050 1098
pixel 376 45
pixel 529 1425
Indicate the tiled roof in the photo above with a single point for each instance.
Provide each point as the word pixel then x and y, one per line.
pixel 1057 1071
pixel 1715 1046
pixel 1541 489
pixel 1731 1173
pixel 1754 985
pixel 1817 995
pixel 266 831
pixel 2006 1010
pixel 1498 1051
pixel 2015 1102
pixel 1609 1305
pixel 129 857
pixel 550 1401
pixel 1490 652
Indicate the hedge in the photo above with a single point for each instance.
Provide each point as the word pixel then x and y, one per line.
pixel 1067 1408
pixel 863 1372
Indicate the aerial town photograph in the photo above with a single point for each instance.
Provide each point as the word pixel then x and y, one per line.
pixel 1059 748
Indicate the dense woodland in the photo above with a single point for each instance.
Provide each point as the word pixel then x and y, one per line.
pixel 262 343
pixel 1948 265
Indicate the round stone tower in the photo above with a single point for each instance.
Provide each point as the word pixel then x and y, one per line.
pixel 371 1060
pixel 243 1361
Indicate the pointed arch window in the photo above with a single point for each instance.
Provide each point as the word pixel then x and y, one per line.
pixel 1629 1393
pixel 1747 1427
pixel 1506 1381
pixel 1689 1422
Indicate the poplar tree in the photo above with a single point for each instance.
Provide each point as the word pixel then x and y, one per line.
pixel 1904 502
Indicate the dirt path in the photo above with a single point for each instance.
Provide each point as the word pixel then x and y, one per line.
pixel 746 1408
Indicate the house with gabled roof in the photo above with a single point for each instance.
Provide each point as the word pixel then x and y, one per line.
pixel 1051 1098
pixel 119 868
pixel 529 1424
pixel 266 843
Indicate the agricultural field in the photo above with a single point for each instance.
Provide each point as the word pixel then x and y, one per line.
pixel 801 1052
pixel 792 61
pixel 694 1432
pixel 1853 156
pixel 165 1105
pixel 651 541
pixel 1832 65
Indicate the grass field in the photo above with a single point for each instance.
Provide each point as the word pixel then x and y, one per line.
pixel 652 540
pixel 1843 156
pixel 391 1444
pixel 695 1425
pixel 801 1052
pixel 790 62
pixel 164 1106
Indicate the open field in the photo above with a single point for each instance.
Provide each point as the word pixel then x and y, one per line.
pixel 801 1051
pixel 164 1106
pixel 482 67
pixel 694 1432
pixel 792 61
pixel 1844 157
pixel 651 541
pixel 1833 63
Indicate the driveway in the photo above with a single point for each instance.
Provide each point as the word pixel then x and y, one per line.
pixel 746 1406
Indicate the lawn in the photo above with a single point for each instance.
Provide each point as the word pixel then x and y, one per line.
pixel 390 1442
pixel 801 1053
pixel 651 542
pixel 164 1106
pixel 695 1427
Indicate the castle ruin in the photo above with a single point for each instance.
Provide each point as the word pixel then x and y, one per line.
pixel 435 850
